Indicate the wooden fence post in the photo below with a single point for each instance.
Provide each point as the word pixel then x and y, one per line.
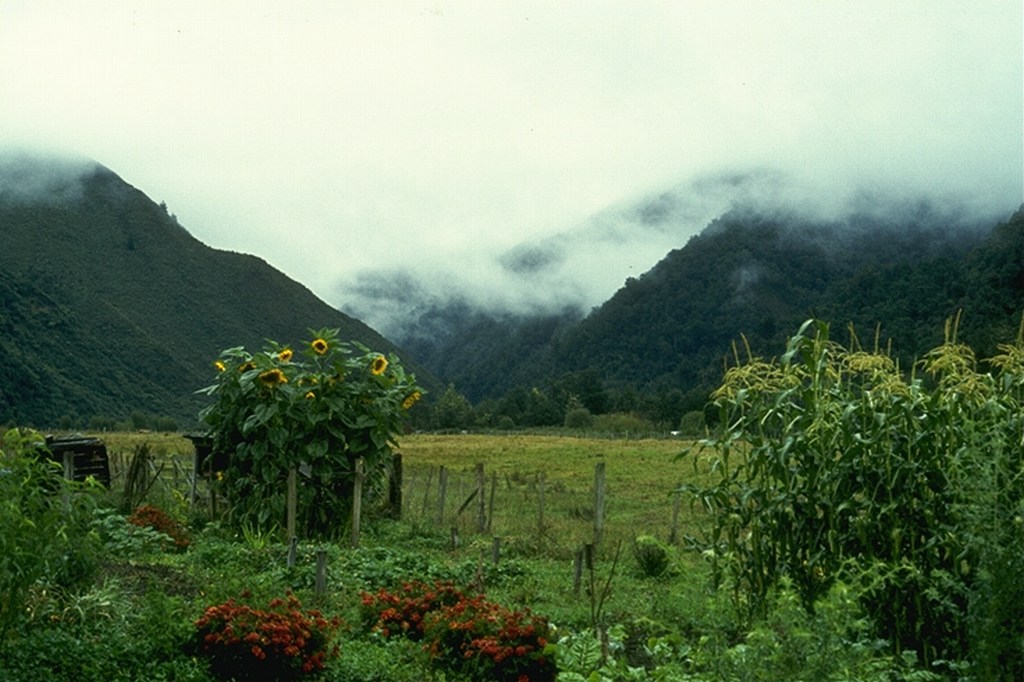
pixel 490 502
pixel 292 503
pixel 292 547
pixel 442 491
pixel 577 572
pixel 194 488
pixel 481 492
pixel 357 502
pixel 395 487
pixel 674 535
pixel 598 501
pixel 540 505
pixel 69 475
pixel 320 587
pixel 426 491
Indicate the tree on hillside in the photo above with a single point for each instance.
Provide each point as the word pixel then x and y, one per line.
pixel 451 410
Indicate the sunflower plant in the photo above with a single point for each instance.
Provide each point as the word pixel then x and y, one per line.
pixel 318 407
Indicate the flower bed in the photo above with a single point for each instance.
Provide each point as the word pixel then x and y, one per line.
pixel 465 634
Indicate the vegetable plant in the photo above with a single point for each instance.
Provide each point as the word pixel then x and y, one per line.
pixel 834 461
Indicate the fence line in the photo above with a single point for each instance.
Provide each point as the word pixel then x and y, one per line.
pixel 560 517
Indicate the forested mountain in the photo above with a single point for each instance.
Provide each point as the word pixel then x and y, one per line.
pixel 108 306
pixel 666 335
pixel 762 276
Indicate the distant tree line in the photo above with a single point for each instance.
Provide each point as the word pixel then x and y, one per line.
pixel 136 421
pixel 658 347
pixel 578 400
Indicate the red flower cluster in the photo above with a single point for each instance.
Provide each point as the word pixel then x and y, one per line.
pixel 148 516
pixel 402 612
pixel 280 642
pixel 466 634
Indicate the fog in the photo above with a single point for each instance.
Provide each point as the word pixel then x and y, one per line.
pixel 34 177
pixel 515 155
pixel 585 265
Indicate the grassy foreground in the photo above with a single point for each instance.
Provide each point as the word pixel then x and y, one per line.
pixel 131 613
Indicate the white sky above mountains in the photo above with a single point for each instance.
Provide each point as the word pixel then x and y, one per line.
pixel 337 140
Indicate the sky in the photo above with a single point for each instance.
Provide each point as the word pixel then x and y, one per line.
pixel 381 152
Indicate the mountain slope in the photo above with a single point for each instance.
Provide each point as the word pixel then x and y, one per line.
pixel 755 275
pixel 109 306
pixel 760 277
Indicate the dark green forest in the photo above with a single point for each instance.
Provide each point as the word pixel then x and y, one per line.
pixel 662 342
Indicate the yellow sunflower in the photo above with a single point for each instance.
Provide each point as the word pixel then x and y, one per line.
pixel 285 355
pixel 245 367
pixel 310 395
pixel 273 377
pixel 380 363
pixel 219 365
pixel 411 400
pixel 319 346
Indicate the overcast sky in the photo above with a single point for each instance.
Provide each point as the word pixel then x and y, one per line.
pixel 335 139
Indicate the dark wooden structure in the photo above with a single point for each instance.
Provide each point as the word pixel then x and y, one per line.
pixel 206 462
pixel 86 455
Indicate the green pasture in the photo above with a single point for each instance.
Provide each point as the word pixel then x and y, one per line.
pixel 641 477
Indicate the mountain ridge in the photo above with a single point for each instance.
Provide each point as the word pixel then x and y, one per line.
pixel 110 305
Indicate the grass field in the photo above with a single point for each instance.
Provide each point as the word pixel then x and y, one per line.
pixel 640 477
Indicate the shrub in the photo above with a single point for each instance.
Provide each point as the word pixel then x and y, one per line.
pixel 148 516
pixel 466 635
pixel 281 642
pixel 402 612
pixel 43 525
pixel 579 418
pixel 488 641
pixel 652 556
pixel 692 423
pixel 622 422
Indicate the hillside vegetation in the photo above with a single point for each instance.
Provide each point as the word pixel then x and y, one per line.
pixel 108 306
pixel 661 343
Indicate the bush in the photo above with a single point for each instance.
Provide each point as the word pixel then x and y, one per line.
pixel 105 635
pixel 622 422
pixel 148 516
pixel 280 642
pixel 835 642
pixel 579 418
pixel 692 423
pixel 465 635
pixel 488 641
pixel 43 525
pixel 402 611
pixel 652 556
pixel 323 414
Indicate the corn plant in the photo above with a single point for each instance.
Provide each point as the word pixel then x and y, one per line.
pixel 833 461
